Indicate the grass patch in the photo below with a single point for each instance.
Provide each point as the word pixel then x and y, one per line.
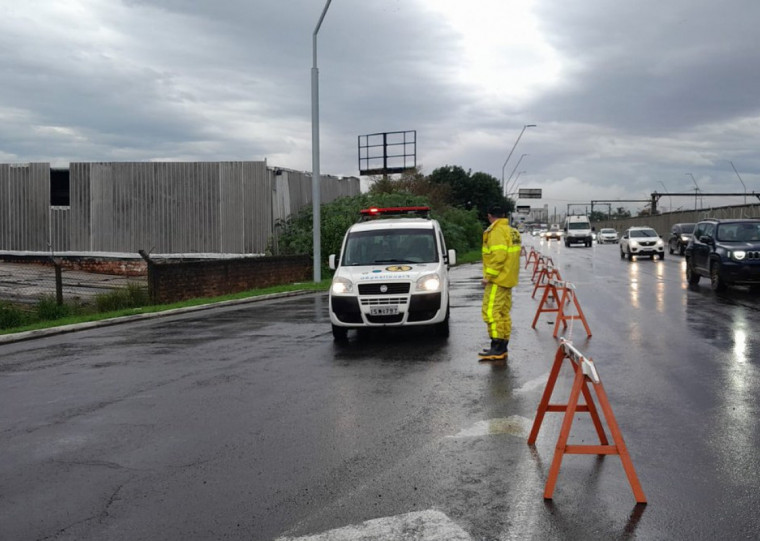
pixel 117 304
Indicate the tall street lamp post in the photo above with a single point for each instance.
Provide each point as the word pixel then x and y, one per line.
pixel 511 151
pixel 740 180
pixel 696 192
pixel 666 191
pixel 315 178
pixel 513 172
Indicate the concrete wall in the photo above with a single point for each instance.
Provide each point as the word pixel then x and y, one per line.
pixel 160 207
pixel 662 223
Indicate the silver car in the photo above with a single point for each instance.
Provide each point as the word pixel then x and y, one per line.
pixel 641 242
pixel 607 235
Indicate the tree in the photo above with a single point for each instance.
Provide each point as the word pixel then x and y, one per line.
pixel 468 191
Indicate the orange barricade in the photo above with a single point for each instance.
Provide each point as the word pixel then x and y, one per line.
pixel 568 296
pixel 548 272
pixel 532 256
pixel 540 262
pixel 585 375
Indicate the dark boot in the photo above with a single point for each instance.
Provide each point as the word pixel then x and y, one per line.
pixel 498 351
pixel 489 348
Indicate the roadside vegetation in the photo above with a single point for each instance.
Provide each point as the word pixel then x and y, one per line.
pixel 458 200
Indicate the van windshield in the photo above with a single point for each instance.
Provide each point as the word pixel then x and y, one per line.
pixel 390 246
pixel 579 225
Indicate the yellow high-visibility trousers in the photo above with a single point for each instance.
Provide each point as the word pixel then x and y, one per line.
pixel 497 304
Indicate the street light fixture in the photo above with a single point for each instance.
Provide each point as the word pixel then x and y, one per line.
pixel 315 178
pixel 511 151
pixel 513 172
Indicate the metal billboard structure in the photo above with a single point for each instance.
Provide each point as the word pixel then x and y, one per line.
pixel 387 153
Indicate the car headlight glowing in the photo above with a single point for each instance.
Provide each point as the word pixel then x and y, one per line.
pixel 429 282
pixel 341 286
pixel 739 254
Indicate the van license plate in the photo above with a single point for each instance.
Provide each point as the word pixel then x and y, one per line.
pixel 391 310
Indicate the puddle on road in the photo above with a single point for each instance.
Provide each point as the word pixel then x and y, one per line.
pixel 514 425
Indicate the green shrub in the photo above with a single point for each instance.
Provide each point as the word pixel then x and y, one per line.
pixel 12 316
pixel 132 296
pixel 48 309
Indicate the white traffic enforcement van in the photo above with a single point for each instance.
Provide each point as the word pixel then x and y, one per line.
pixel 577 229
pixel 393 270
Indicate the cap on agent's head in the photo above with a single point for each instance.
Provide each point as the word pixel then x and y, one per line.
pixel 497 211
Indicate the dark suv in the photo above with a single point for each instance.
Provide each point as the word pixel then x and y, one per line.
pixel 680 235
pixel 726 251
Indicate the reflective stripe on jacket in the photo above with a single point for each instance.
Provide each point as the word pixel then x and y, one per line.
pixel 501 253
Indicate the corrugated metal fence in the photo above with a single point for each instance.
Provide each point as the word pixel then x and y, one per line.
pixel 159 207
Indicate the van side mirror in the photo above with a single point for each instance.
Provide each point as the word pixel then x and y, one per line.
pixel 451 257
pixel 331 260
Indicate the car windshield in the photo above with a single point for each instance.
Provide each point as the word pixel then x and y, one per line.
pixel 607 231
pixel 643 233
pixel 578 225
pixel 390 246
pixel 739 232
pixel 687 229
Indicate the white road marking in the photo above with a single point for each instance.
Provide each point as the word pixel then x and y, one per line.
pixel 515 425
pixel 429 525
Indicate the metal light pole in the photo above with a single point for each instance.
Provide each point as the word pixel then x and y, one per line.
pixel 511 151
pixel 740 180
pixel 515 185
pixel 315 178
pixel 666 191
pixel 696 192
pixel 513 172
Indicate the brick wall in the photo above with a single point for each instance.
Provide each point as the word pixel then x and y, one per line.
pixel 93 264
pixel 177 281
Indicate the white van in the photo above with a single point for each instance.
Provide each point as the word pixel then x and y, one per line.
pixel 393 270
pixel 577 230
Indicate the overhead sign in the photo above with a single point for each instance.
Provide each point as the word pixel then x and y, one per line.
pixel 529 193
pixel 523 209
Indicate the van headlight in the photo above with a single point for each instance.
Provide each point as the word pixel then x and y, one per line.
pixel 341 286
pixel 429 282
pixel 738 254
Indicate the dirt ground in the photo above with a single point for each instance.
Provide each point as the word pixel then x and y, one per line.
pixel 26 283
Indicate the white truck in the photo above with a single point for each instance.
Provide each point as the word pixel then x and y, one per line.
pixel 392 270
pixel 577 230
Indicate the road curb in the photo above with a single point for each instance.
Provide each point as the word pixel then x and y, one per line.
pixel 40 333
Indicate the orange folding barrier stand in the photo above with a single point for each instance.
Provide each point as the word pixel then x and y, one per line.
pixel 567 297
pixel 532 256
pixel 546 273
pixel 586 378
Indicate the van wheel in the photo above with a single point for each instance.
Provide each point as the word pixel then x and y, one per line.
pixel 340 334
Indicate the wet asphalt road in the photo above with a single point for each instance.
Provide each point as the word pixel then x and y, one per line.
pixel 249 422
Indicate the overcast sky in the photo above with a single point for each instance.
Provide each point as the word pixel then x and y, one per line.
pixel 627 97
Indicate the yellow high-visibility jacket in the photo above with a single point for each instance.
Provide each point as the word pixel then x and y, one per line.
pixel 501 253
